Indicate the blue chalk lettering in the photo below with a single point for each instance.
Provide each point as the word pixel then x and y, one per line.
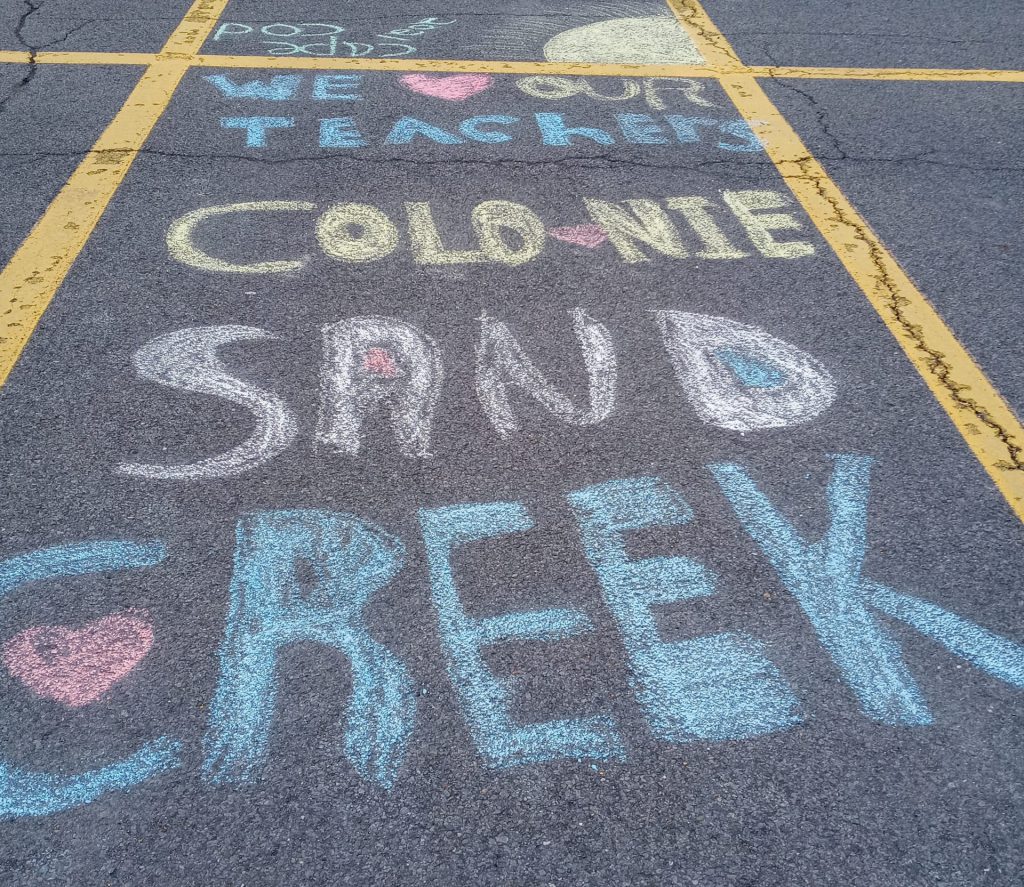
pixel 714 687
pixel 687 130
pixel 33 793
pixel 256 127
pixel 741 129
pixel 750 372
pixel 406 129
pixel 28 793
pixel 686 127
pixel 825 579
pixel 340 132
pixel 555 132
pixel 346 560
pixel 280 88
pixel 484 697
pixel 337 86
pixel 641 129
pixel 471 128
pixel 1001 658
pixel 284 47
pixel 225 30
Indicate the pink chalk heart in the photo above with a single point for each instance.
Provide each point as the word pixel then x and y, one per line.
pixel 450 87
pixel 589 236
pixel 380 362
pixel 76 666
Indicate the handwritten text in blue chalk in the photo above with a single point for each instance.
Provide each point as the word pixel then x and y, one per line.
pixel 718 686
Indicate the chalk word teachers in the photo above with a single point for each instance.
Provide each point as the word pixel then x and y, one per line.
pixel 322 39
pixel 307 576
pixel 507 233
pixel 547 129
pixel 735 377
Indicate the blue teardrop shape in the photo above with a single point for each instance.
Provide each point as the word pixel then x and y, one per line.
pixel 751 373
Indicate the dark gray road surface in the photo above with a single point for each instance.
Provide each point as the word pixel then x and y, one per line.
pixel 832 791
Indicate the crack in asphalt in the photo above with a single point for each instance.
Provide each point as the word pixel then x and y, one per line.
pixel 31 8
pixel 33 49
pixel 841 156
pixel 935 360
pixel 923 38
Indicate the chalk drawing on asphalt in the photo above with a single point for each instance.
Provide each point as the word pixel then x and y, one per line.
pixel 76 666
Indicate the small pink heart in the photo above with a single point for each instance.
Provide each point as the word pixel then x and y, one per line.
pixel 379 362
pixel 589 236
pixel 450 87
pixel 77 666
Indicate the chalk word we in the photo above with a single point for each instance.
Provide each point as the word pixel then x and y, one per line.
pixel 396 42
pixel 724 686
pixel 345 87
pixel 508 233
pixel 735 377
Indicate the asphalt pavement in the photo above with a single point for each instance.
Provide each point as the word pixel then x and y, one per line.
pixel 434 474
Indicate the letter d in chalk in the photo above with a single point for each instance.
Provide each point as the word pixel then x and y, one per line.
pixel 741 378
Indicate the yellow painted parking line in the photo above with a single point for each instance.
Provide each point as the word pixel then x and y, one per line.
pixel 32 277
pixel 982 417
pixel 538 68
pixel 79 58
pixel 459 66
pixel 594 69
pixel 980 75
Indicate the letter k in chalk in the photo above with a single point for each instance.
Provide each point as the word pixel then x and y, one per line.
pixel 825 578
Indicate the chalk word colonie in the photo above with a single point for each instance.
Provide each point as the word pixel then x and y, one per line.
pixel 309 576
pixel 739 224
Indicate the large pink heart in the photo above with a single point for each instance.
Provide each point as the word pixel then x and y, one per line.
pixel 450 87
pixel 77 666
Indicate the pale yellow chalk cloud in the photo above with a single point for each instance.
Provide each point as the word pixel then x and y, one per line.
pixel 654 39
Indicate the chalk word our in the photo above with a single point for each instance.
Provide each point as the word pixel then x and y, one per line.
pixel 508 233
pixel 322 38
pixel 734 376
pixel 545 128
pixel 722 686
pixel 656 92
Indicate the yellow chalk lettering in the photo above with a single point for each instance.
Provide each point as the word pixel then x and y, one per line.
pixel 745 204
pixel 182 248
pixel 427 247
pixel 647 223
pixel 692 90
pixel 549 87
pixel 494 216
pixel 630 90
pixel 695 211
pixel 356 232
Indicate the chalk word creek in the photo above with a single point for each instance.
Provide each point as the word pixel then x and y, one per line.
pixel 308 576
pixel 734 376
pixel 325 39
pixel 508 233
